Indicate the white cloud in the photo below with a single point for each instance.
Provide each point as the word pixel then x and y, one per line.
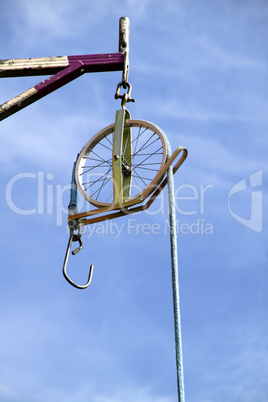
pixel 43 16
pixel 222 56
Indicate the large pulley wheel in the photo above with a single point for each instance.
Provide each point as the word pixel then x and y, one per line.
pixel 142 157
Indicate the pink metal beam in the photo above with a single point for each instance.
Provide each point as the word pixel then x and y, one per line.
pixel 65 69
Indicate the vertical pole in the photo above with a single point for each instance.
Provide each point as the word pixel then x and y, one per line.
pixel 124 46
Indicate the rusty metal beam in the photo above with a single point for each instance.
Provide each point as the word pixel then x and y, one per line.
pixel 32 66
pixel 65 69
pixel 52 65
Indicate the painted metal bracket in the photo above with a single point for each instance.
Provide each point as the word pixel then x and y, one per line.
pixel 64 70
pixel 127 210
pixel 121 165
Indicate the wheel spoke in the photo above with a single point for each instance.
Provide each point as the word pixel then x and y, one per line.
pixel 150 164
pixel 147 158
pixel 141 178
pixel 155 153
pixel 103 177
pixel 109 198
pixel 105 181
pixel 136 183
pixel 97 160
pixel 105 146
pixel 100 158
pixel 154 170
pixel 137 138
pixel 109 140
pixel 143 146
pixel 94 166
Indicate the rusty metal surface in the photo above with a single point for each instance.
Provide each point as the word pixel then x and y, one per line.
pixel 124 45
pixel 77 65
pixel 32 66
pixel 52 65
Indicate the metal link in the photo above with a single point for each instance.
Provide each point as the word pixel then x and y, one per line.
pixel 126 96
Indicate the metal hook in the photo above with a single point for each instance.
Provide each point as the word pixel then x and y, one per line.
pixel 75 237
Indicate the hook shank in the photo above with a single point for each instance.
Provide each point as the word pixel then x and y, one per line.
pixel 74 237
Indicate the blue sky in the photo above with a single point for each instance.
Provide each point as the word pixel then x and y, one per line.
pixel 198 71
